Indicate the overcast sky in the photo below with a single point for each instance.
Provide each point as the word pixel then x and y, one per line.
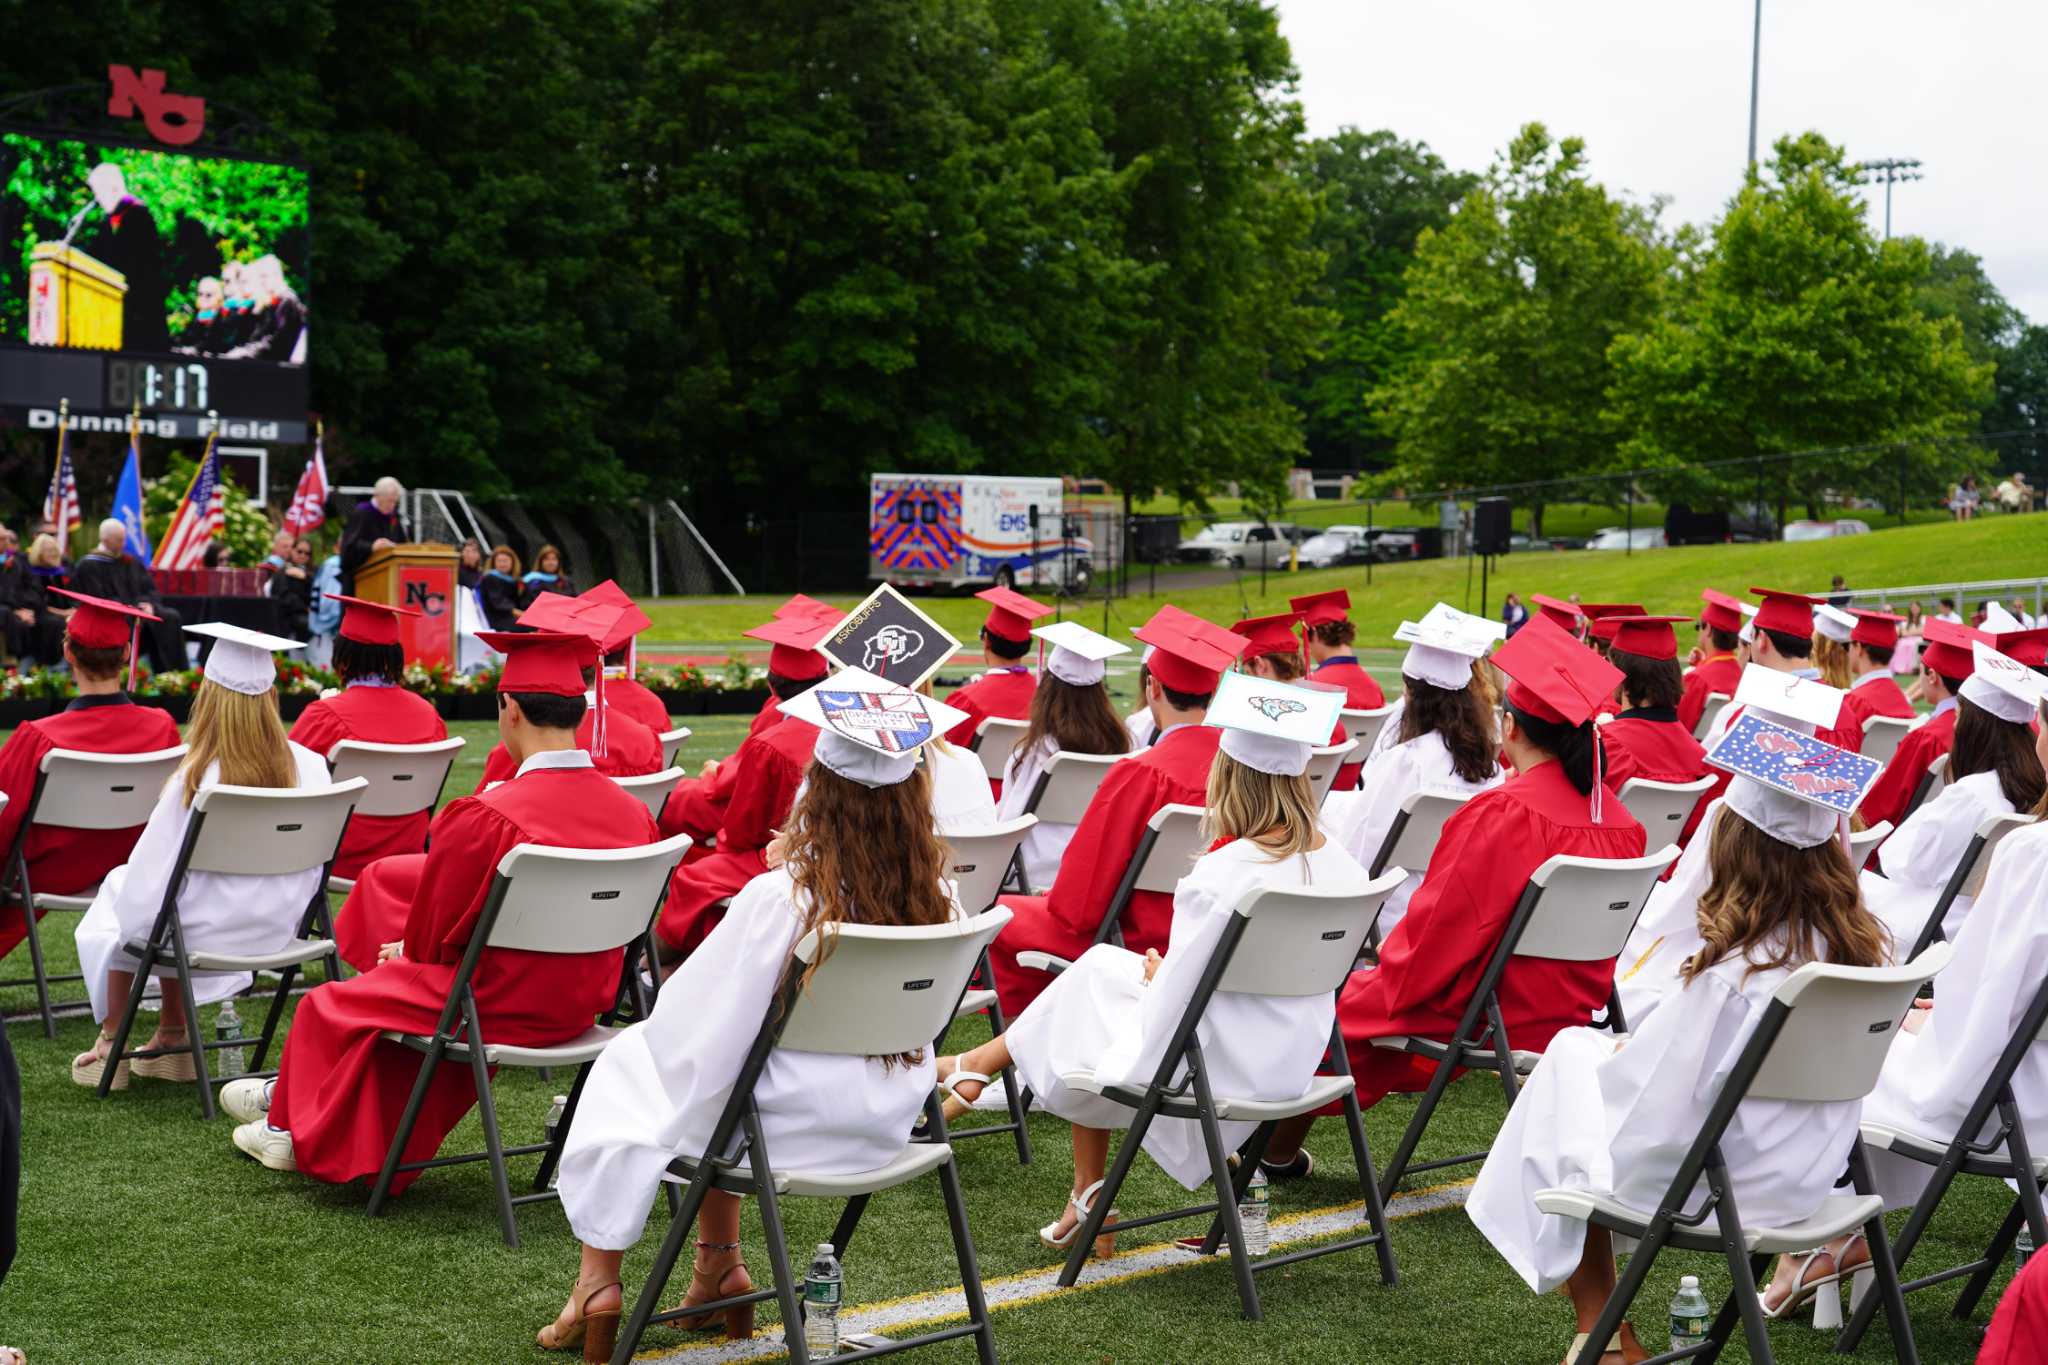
pixel 1660 93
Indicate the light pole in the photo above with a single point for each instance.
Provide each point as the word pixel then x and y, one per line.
pixel 1756 56
pixel 1891 171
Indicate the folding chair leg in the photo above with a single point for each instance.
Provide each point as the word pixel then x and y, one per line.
pixel 552 1157
pixel 778 1241
pixel 381 1191
pixel 1012 1097
pixel 1240 1181
pixel 1126 1155
pixel 1625 1290
pixel 276 1013
pixel 1226 1189
pixel 1503 1055
pixel 195 1038
pixel 1743 1268
pixel 494 1142
pixel 35 957
pixel 1917 1219
pixel 963 1252
pixel 1993 1258
pixel 664 1266
pixel 849 1222
pixel 136 991
pixel 1375 1207
pixel 1904 1349
pixel 1411 1137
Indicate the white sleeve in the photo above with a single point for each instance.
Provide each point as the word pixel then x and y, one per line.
pixel 1657 1089
pixel 1199 916
pixel 1020 775
pixel 1925 849
pixel 1387 780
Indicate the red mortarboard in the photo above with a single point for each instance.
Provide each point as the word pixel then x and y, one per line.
pixel 1270 635
pixel 1945 648
pixel 1721 612
pixel 542 660
pixel 631 620
pixel 1652 637
pixel 1322 608
pixel 1189 654
pixel 607 624
pixel 794 640
pixel 1010 614
pixel 1553 677
pixel 1564 615
pixel 370 623
pixel 1602 615
pixel 1879 629
pixel 800 605
pixel 100 624
pixel 1788 613
pixel 2029 647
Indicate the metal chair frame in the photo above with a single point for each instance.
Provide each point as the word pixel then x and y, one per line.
pixel 1929 786
pixel 1968 877
pixel 978 995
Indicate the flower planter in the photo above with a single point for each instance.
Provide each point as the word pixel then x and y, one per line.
pixel 13 712
pixel 180 708
pixel 735 701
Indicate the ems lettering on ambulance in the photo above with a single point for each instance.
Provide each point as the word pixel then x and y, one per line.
pixel 891 722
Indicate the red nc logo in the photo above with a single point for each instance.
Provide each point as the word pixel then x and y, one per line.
pixel 175 119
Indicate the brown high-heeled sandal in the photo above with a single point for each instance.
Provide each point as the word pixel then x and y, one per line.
pixel 737 1321
pixel 597 1333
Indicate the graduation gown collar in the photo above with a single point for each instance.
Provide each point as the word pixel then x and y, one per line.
pixel 554 760
pixel 98 700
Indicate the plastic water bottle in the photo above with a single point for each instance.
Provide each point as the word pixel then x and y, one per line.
pixel 1690 1314
pixel 227 1027
pixel 2022 1246
pixel 824 1287
pixel 550 1129
pixel 1252 1215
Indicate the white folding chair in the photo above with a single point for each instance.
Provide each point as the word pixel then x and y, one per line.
pixel 653 788
pixel 1931 783
pixel 1968 877
pixel 542 900
pixel 1323 765
pixel 994 739
pixel 672 744
pixel 1822 1039
pixel 1881 736
pixel 1864 842
pixel 1572 910
pixel 78 790
pixel 240 831
pixel 1709 713
pixel 1411 840
pixel 1171 843
pixel 978 862
pixel 881 990
pixel 1662 808
pixel 1065 786
pixel 1279 943
pixel 1363 727
pixel 404 779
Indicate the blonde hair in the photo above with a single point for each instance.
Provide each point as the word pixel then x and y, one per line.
pixel 1245 803
pixel 43 550
pixel 1831 657
pixel 243 734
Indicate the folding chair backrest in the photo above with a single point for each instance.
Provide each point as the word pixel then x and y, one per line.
pixel 1992 831
pixel 404 779
pixel 1841 1024
pixel 580 900
pixel 652 788
pixel 1863 841
pixel 672 744
pixel 885 989
pixel 1662 808
pixel 103 791
pixel 1930 784
pixel 994 739
pixel 1303 940
pixel 1068 784
pixel 1709 713
pixel 1173 852
pixel 1411 839
pixel 270 831
pixel 977 859
pixel 1881 736
pixel 1323 765
pixel 1586 907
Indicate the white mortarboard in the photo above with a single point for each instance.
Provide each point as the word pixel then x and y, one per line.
pixel 1798 703
pixel 872 728
pixel 1833 622
pixel 1271 726
pixel 1748 632
pixel 1997 620
pixel 2007 688
pixel 1443 644
pixel 241 660
pixel 1793 787
pixel 1078 655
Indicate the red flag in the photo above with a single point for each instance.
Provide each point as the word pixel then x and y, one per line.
pixel 309 502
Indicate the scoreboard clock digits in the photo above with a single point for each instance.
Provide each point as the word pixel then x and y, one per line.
pixel 157 386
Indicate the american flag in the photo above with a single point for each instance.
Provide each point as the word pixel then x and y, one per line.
pixel 309 503
pixel 199 517
pixel 60 504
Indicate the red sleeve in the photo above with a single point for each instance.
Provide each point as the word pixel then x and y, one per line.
pixel 761 798
pixel 1456 916
pixel 1897 783
pixel 19 759
pixel 1692 699
pixel 1103 844
pixel 963 733
pixel 466 842
pixel 317 729
pixel 2021 1323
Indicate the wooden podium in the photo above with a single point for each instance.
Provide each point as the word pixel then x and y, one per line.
pixel 73 299
pixel 422 577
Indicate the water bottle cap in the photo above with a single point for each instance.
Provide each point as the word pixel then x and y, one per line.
pixel 1688 1282
pixel 824 1248
pixel 561 1099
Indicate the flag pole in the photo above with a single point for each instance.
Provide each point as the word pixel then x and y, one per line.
pixel 53 498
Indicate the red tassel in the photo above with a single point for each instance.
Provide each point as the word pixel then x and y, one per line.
pixel 597 725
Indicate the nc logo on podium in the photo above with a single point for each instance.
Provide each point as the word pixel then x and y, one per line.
pixel 423 596
pixel 170 118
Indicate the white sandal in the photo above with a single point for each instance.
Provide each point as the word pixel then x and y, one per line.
pixel 1082 1204
pixel 958 1076
pixel 1614 1348
pixel 1804 1289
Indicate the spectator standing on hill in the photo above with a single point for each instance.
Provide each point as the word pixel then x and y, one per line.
pixel 1513 614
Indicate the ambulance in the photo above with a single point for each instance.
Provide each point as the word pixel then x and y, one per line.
pixel 974 530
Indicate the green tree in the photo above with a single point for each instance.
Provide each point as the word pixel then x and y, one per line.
pixel 1509 311
pixel 1802 331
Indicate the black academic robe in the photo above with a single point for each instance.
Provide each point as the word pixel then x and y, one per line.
pixel 130 244
pixel 366 526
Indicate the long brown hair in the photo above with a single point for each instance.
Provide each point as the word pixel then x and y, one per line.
pixel 1244 803
pixel 1075 720
pixel 1986 744
pixel 866 855
pixel 1779 906
pixel 1459 717
pixel 243 734
pixel 1831 657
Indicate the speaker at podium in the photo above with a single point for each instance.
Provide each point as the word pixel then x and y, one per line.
pixel 422 577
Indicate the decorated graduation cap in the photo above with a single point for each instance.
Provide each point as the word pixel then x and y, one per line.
pixel 1877 629
pixel 2007 688
pixel 1720 611
pixel 1566 616
pixel 1834 623
pixel 1272 726
pixel 890 638
pixel 1443 645
pixel 1797 703
pixel 1651 637
pixel 241 659
pixel 1554 678
pixel 597 622
pixel 1788 613
pixel 1189 654
pixel 872 729
pixel 1079 656
pixel 1795 788
pixel 1601 616
pixel 545 661
pixel 97 623
pixel 1945 648
pixel 370 623
pixel 631 620
pixel 793 638
pixel 1010 613
pixel 1323 608
pixel 2030 646
pixel 1269 635
pixel 1997 620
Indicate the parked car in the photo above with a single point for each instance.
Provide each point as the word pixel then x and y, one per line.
pixel 1523 544
pixel 1388 546
pixel 1826 530
pixel 1240 544
pixel 1621 538
pixel 1334 545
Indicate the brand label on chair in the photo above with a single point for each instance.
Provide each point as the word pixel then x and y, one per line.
pixel 1879 1027
pixel 604 895
pixel 288 829
pixel 1333 935
pixel 921 984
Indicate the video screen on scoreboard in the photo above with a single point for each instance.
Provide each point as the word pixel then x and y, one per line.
pixel 187 273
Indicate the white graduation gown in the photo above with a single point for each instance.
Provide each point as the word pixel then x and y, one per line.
pixel 1143 728
pixel 659 1089
pixel 220 912
pixel 1594 1118
pixel 962 801
pixel 1390 729
pixel 1360 819
pixel 1668 934
pixel 1922 854
pixel 2001 958
pixel 1045 843
pixel 1100 1015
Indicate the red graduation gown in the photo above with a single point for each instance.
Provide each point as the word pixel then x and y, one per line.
pixel 628 696
pixel 1879 697
pixel 1901 777
pixel 630 750
pixel 1361 693
pixel 1653 745
pixel 1004 693
pixel 340 1088
pixel 374 715
pixel 697 805
pixel 2020 1325
pixel 1432 961
pixel 1174 771
pixel 65 861
pixel 1716 673
pixel 768 770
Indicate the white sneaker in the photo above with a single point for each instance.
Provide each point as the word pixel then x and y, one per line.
pixel 247 1099
pixel 267 1145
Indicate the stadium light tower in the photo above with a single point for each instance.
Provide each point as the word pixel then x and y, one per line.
pixel 1891 171
pixel 1756 51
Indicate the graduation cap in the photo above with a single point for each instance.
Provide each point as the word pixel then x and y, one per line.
pixel 1997 620
pixel 2030 647
pixel 1945 648
pixel 1748 631
pixel 1189 654
pixel 370 623
pixel 1650 637
pixel 1793 787
pixel 545 661
pixel 1798 703
pixel 1834 623
pixel 1443 645
pixel 1877 629
pixel 1269 635
pixel 241 659
pixel 631 620
pixel 97 623
pixel 1567 616
pixel 799 604
pixel 1720 611
pixel 1788 613
pixel 1553 677
pixel 1600 617
pixel 1323 608
pixel 792 637
pixel 891 639
pixel 1272 726
pixel 2002 685
pixel 1010 613
pixel 1079 655
pixel 599 622
pixel 872 728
